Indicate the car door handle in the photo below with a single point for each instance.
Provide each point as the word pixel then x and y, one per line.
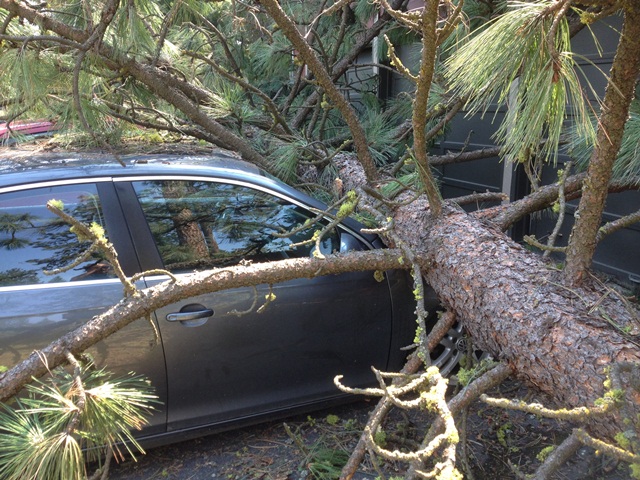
pixel 185 316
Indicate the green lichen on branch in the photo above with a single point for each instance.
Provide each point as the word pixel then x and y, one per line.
pixel 613 400
pixel 426 391
pixel 94 233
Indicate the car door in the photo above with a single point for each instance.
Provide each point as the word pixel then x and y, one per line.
pixel 39 302
pixel 230 356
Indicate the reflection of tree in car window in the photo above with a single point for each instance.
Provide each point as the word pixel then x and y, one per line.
pixel 203 224
pixel 32 239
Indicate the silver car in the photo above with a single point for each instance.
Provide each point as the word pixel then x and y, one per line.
pixel 214 367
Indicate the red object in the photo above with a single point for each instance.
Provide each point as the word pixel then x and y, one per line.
pixel 26 128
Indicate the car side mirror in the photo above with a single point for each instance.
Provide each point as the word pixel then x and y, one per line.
pixel 349 243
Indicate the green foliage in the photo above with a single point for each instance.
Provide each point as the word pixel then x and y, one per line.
pixel 380 128
pixel 627 164
pixel 467 375
pixel 503 432
pixel 545 452
pixel 391 189
pixel 270 60
pixel 332 419
pixel 44 434
pixel 516 48
pixel 286 158
pixel 380 437
pixel 399 35
pixel 622 440
pixel 228 99
pixel 326 463
pixel 348 206
pixel 30 76
pixel 365 10
pixel 130 30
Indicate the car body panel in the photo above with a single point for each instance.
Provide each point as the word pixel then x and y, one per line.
pixel 221 368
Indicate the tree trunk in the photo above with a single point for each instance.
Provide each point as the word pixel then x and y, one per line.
pixel 615 110
pixel 515 307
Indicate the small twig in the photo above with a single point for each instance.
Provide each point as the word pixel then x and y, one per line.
pixel 269 298
pixel 531 240
pixel 164 31
pixel 78 390
pixel 296 439
pixel 472 392
pixel 453 111
pixel 240 313
pixel 460 157
pixel 480 197
pixel 397 63
pixel 155 271
pixel 562 6
pixel 558 457
pixel 562 201
pixel 605 447
pixel 3 28
pixel 101 243
pixel 376 417
pixel 102 473
pixel 615 225
pixel 578 413
pixel 83 257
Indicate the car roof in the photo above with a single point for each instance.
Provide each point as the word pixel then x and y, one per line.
pixel 30 168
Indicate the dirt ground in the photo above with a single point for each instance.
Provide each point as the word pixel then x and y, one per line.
pixel 499 444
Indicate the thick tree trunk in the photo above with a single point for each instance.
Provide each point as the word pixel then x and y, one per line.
pixel 514 306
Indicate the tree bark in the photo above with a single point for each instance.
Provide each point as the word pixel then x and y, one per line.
pixel 557 340
pixel 615 110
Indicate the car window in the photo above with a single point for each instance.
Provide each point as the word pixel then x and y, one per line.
pixel 206 224
pixel 33 240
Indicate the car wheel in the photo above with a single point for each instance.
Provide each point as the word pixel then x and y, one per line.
pixel 451 349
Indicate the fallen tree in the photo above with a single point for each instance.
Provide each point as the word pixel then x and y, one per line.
pixel 551 329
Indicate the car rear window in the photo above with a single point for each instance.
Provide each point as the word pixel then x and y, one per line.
pixel 35 244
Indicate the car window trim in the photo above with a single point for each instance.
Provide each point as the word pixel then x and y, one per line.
pixel 38 286
pixel 55 183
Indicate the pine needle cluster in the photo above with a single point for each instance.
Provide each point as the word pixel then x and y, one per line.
pixel 61 424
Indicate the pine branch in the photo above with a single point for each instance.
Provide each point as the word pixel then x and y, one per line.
pixel 326 83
